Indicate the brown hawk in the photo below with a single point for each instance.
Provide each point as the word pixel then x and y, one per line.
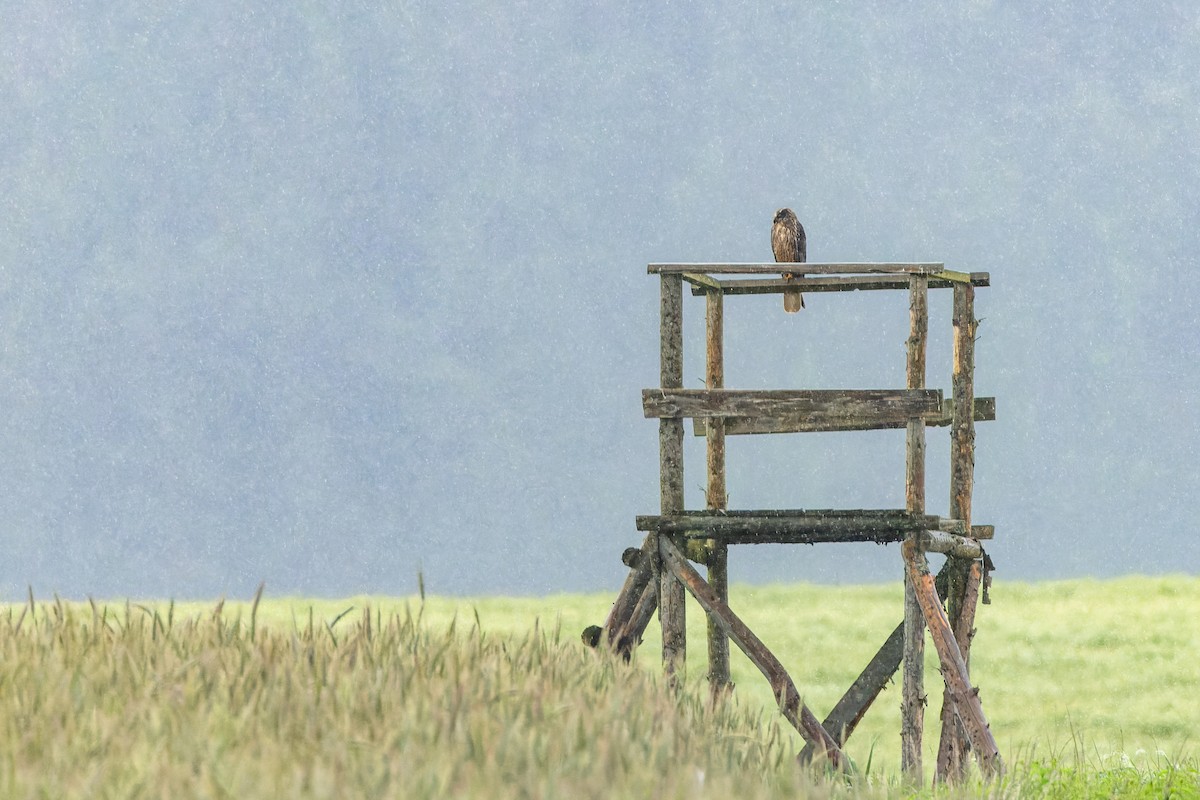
pixel 790 246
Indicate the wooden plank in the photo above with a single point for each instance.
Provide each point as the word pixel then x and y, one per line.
pixel 833 283
pixel 802 268
pixel 912 695
pixel 954 277
pixel 962 698
pixel 853 705
pixel 715 494
pixel 671 595
pixel 825 404
pixel 786 695
pixel 985 411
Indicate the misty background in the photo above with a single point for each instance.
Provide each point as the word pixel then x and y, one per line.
pixel 328 295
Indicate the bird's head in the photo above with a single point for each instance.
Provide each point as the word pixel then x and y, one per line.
pixel 784 215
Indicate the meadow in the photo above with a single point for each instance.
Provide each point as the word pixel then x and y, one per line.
pixel 1091 688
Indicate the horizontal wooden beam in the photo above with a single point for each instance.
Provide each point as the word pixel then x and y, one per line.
pixel 985 411
pixel 820 523
pixel 806 268
pixel 873 536
pixel 835 283
pixel 815 405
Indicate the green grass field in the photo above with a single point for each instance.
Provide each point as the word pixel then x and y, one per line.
pixel 1092 689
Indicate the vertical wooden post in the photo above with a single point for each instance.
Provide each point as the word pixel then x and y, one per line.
pixel 962 592
pixel 716 498
pixel 671 593
pixel 912 703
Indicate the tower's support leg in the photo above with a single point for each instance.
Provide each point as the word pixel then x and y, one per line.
pixel 963 698
pixel 671 595
pixel 960 597
pixel 715 496
pixel 912 698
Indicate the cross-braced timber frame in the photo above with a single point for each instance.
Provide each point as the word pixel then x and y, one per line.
pixel 661 572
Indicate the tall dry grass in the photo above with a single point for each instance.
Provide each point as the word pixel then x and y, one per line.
pixel 133 701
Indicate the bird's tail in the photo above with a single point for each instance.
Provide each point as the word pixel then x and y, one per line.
pixel 793 300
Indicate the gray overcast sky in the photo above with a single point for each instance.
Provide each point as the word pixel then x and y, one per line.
pixel 329 297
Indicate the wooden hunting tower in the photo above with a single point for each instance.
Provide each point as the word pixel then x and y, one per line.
pixel 661 571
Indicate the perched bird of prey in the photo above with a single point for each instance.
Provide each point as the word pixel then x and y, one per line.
pixel 789 245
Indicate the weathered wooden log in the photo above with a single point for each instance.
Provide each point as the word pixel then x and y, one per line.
pixel 698 279
pixel 807 268
pixel 960 607
pixel 849 710
pixel 882 537
pixel 964 631
pixel 914 468
pixel 912 697
pixel 715 494
pixel 961 696
pixel 867 405
pixel 629 634
pixel 702 284
pixel 639 576
pixel 786 695
pixel 950 544
pixel 671 608
pixel 962 426
pixel 985 411
pixel 717 524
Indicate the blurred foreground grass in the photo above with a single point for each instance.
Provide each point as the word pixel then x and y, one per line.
pixel 1091 688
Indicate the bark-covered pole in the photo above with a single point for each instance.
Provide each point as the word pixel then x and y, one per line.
pixel 671 594
pixel 960 597
pixel 716 498
pixel 912 702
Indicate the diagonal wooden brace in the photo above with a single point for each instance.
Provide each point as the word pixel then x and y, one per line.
pixel 786 694
pixel 631 593
pixel 629 635
pixel 849 711
pixel 954 668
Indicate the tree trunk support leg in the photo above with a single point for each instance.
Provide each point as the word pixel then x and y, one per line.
pixel 964 699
